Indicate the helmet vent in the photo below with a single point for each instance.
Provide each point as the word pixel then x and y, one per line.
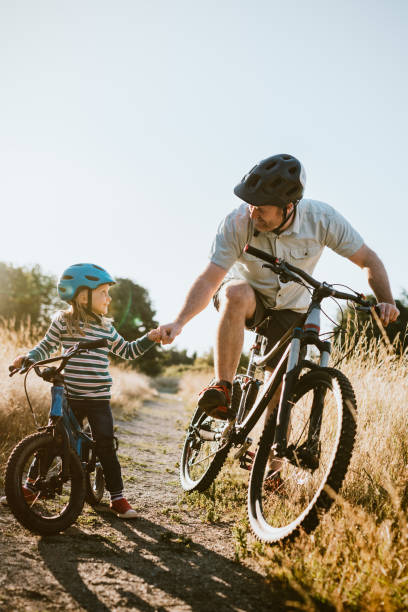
pixel 91 278
pixel 276 182
pixel 67 277
pixel 252 181
pixel 286 157
pixel 98 268
pixel 271 165
pixel 293 170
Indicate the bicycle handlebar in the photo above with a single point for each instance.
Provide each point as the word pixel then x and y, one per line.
pixel 290 272
pixel 83 345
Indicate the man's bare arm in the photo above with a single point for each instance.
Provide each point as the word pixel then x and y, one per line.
pixel 196 300
pixel 378 281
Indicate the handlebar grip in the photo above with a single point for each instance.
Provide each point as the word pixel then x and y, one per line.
pixel 93 344
pixel 260 254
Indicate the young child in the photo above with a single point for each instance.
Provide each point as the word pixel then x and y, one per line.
pixel 87 380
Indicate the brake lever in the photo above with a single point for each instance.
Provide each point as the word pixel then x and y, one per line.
pixel 368 308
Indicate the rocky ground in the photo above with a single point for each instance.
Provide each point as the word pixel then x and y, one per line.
pixel 166 559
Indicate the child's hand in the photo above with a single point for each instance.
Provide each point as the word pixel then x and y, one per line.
pixel 154 335
pixel 18 362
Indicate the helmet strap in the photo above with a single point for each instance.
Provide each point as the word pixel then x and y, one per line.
pixel 286 218
pixel 89 307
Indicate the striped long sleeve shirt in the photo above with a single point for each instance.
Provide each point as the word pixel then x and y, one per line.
pixel 87 375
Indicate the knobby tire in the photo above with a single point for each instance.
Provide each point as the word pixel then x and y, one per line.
pixel 27 516
pixel 267 527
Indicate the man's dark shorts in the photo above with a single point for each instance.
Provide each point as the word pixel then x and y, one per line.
pixel 276 324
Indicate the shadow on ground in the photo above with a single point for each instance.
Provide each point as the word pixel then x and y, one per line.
pixel 157 570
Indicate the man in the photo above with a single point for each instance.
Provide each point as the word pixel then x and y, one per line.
pixel 275 219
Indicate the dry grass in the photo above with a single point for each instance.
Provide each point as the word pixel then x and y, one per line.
pixel 357 559
pixel 129 391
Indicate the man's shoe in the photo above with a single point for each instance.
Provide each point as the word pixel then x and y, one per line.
pixel 123 509
pixel 215 399
pixel 273 483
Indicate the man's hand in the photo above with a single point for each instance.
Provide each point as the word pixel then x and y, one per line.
pixel 388 313
pixel 168 332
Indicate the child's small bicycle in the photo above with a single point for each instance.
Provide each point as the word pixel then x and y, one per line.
pixel 51 473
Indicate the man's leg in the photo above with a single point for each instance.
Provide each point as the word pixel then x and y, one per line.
pixel 237 305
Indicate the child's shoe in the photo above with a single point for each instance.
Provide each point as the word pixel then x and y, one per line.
pixel 123 509
pixel 29 496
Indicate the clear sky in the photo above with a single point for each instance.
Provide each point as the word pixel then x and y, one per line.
pixel 125 125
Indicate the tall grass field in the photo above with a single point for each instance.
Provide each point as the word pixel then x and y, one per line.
pixel 357 559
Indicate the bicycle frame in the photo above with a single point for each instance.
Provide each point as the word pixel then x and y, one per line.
pixel 61 413
pixel 287 371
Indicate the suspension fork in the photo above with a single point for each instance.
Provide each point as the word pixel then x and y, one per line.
pixel 292 372
pixel 61 436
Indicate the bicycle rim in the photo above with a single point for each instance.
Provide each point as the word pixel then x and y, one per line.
pixel 292 492
pixel 202 459
pixel 35 490
pixel 95 485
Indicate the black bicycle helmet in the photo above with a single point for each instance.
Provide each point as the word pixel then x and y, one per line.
pixel 274 181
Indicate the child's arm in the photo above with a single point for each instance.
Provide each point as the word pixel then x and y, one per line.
pixel 48 345
pixel 132 350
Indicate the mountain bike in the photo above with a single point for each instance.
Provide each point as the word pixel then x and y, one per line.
pixel 307 442
pixel 51 473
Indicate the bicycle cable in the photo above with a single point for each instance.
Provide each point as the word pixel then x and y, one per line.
pixel 28 399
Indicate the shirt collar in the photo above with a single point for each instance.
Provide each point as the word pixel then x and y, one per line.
pixel 294 227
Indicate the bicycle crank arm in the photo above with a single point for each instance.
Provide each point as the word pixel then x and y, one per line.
pixel 243 449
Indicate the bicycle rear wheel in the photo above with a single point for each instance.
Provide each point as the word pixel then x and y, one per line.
pixel 48 505
pixel 94 478
pixel 95 485
pixel 293 492
pixel 204 452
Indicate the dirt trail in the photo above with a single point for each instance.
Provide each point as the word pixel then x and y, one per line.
pixel 167 559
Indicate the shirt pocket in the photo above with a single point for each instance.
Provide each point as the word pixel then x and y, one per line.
pixel 305 253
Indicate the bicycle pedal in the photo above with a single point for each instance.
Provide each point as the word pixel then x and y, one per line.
pixel 246 460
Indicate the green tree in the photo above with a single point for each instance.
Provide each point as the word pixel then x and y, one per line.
pixel 173 356
pixel 27 293
pixel 134 316
pixel 361 322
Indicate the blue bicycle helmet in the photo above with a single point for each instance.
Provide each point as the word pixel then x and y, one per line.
pixel 81 276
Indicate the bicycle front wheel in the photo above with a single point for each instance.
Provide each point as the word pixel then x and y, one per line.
pixel 36 493
pixel 292 492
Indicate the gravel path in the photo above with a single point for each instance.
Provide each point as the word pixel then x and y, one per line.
pixel 167 559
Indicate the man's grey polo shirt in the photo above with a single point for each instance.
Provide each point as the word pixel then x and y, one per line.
pixel 315 226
